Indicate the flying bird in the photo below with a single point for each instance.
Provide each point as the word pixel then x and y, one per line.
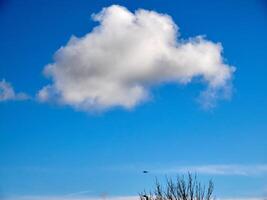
pixel 145 172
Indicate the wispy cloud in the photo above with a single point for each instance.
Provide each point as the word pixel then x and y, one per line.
pixel 7 92
pixel 109 198
pixel 233 169
pixel 79 193
pixel 244 198
pixel 64 197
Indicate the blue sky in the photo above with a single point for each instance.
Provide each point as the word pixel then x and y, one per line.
pixel 55 149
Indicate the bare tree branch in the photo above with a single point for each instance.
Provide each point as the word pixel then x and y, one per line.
pixel 183 189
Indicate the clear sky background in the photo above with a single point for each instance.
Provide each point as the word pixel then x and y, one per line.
pixel 52 150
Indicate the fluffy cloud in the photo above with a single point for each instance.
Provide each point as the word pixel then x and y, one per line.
pixel 117 63
pixel 7 92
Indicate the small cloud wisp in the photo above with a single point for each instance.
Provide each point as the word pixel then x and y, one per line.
pixel 7 92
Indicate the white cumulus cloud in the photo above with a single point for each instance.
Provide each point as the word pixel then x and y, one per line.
pixel 117 63
pixel 7 92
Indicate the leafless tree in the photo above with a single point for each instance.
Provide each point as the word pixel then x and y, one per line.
pixel 180 189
